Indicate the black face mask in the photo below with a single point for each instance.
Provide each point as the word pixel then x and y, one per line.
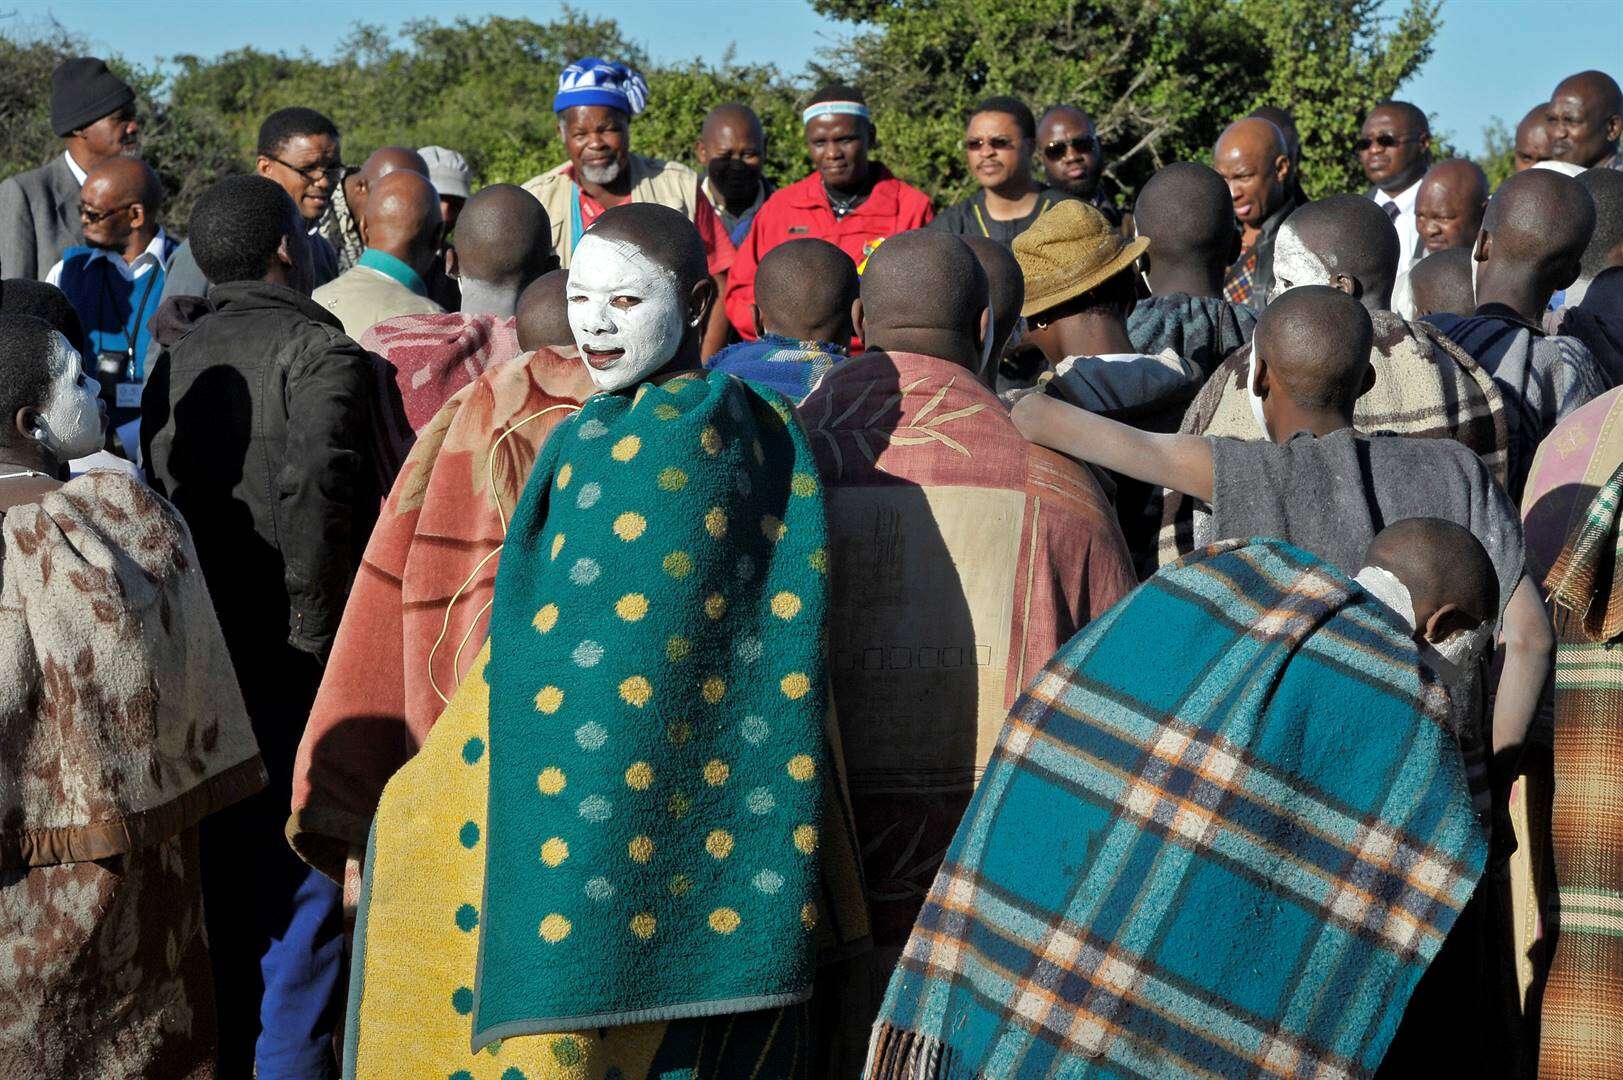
pixel 736 182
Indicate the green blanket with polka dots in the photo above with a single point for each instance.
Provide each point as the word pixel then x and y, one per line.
pixel 657 704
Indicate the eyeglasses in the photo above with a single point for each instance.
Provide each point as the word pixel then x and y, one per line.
pixel 315 171
pixel 1082 144
pixel 96 217
pixel 996 142
pixel 1384 140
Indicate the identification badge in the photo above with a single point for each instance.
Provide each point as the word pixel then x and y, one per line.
pixel 128 395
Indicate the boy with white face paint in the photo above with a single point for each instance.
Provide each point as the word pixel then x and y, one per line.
pixel 638 295
pixel 54 414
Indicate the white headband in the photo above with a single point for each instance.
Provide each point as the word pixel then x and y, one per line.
pixel 834 108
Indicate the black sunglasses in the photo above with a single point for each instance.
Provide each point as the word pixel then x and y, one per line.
pixel 315 171
pixel 96 217
pixel 996 142
pixel 1082 144
pixel 1384 140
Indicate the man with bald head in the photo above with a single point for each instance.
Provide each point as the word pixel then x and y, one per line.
pixel 1585 120
pixel 962 557
pixel 1532 241
pixel 115 281
pixel 504 241
pixel 1440 284
pixel 1311 364
pixel 402 228
pixel 1448 212
pixel 1073 158
pixel 1186 213
pixel 1394 147
pixel 1532 142
pixel 341 224
pixel 731 150
pixel 542 318
pixel 1250 156
pixel 804 292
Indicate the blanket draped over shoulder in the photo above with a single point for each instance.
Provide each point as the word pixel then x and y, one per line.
pixel 1425 386
pixel 1204 866
pixel 429 357
pixel 790 367
pixel 121 727
pixel 1575 509
pixel 418 610
pixel 665 613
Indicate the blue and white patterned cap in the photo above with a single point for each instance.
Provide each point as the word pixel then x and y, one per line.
pixel 595 81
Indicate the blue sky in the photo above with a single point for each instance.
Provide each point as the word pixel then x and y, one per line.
pixel 1493 57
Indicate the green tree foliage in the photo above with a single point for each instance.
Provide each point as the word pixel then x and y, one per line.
pixel 1498 159
pixel 1161 77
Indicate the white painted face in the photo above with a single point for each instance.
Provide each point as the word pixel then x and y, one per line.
pixel 1294 264
pixel 624 311
pixel 72 420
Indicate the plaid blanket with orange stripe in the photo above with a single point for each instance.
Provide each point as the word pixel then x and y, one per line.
pixel 1237 860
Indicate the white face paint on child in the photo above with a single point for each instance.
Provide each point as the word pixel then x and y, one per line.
pixel 1295 265
pixel 624 311
pixel 72 420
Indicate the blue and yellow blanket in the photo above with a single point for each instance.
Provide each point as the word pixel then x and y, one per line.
pixel 1223 834
pixel 792 368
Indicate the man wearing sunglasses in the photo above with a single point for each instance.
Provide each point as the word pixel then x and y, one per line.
pixel 93 113
pixel 299 150
pixel 1394 148
pixel 999 143
pixel 1072 157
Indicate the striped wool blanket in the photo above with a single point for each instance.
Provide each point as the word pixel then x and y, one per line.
pixel 792 368
pixel 1235 861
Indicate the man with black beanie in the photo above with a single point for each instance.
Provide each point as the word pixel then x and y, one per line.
pixel 93 113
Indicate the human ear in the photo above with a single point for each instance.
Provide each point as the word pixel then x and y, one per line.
pixel 1282 168
pixel 755 318
pixel 1447 621
pixel 700 299
pixel 27 422
pixel 1347 284
pixel 283 255
pixel 263 165
pixel 857 321
pixel 1484 245
pixel 138 215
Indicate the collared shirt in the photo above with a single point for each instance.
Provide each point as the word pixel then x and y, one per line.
pixel 73 167
pixel 1408 235
pixel 730 221
pixel 388 265
pixel 152 256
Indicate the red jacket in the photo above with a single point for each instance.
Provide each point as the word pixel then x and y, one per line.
pixel 801 209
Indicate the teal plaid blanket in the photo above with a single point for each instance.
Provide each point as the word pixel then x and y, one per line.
pixel 1223 834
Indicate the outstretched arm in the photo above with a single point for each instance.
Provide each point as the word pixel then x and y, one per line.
pixel 1180 462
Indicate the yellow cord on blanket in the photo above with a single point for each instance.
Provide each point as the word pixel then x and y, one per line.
pixel 445 623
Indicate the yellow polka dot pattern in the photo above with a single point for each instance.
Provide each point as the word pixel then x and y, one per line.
pixel 626 448
pixel 724 920
pixel 551 780
pixel 806 839
pixel 564 475
pixel 680 885
pixel 802 768
pixel 795 685
pixel 716 772
pixel 804 485
pixel 557 544
pixel 786 605
pixel 549 700
pixel 666 411
pixel 640 776
pixel 710 439
pixel 672 479
pixel 546 618
pixel 631 606
pixel 641 849
pixel 677 648
pixel 678 564
pixel 715 605
pixel 644 925
pixel 808 916
pixel 636 691
pixel 555 851
pixel 630 525
pixel 713 690
pixel 715 522
pixel 554 928
pixel 720 843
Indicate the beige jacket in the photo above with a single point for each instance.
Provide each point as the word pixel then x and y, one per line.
pixel 362 296
pixel 668 183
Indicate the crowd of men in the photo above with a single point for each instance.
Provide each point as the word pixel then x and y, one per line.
pixel 650 622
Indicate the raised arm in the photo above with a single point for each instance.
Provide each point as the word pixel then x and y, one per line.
pixel 1180 462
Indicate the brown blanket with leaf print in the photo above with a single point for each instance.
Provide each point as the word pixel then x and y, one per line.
pixel 121 727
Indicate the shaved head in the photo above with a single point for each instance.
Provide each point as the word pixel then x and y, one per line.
pixel 1185 211
pixel 923 291
pixel 403 218
pixel 1441 564
pixel 732 114
pixel 1449 205
pixel 128 179
pixel 503 238
pixel 666 236
pixel 1533 137
pixel 804 290
pixel 1315 342
pixel 1250 156
pixel 1441 284
pixel 1536 228
pixel 1605 247
pixel 542 315
pixel 1350 243
pixel 388 159
pixel 1005 286
pixel 1585 119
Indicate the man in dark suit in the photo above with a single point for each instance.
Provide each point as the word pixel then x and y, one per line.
pixel 93 112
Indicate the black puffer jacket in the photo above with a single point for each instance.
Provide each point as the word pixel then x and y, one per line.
pixel 258 416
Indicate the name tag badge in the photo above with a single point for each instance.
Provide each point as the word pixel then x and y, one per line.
pixel 799 230
pixel 128 395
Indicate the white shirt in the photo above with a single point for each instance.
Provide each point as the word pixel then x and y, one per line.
pixel 73 167
pixel 1408 237
pixel 152 256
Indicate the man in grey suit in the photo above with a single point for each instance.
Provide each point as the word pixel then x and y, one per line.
pixel 93 112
